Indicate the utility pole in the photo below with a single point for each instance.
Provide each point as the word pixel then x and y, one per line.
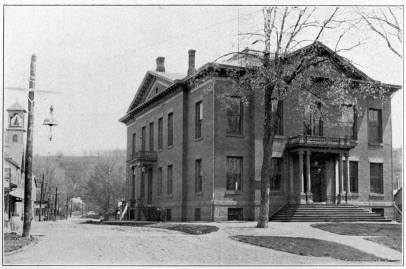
pixel 56 201
pixel 28 154
pixel 40 201
pixel 67 206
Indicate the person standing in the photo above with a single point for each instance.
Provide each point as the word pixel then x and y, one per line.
pixel 158 215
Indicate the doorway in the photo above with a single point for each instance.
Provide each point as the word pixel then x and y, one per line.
pixel 318 180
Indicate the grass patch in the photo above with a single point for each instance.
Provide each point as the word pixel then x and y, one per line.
pixel 361 229
pixel 392 242
pixel 194 229
pixel 14 242
pixel 308 247
pixel 389 235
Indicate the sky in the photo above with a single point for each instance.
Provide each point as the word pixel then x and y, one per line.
pixel 97 56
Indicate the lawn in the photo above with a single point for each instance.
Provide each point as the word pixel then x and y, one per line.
pixel 389 235
pixel 308 247
pixel 14 242
pixel 195 229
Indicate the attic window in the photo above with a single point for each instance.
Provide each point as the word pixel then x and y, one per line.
pixel 156 90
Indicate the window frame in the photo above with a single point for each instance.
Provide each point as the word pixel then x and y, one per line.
pixel 16 138
pixel 160 133
pixel 378 126
pixel 160 185
pixel 142 193
pixel 151 136
pixel 198 176
pixel 143 138
pixel 239 115
pixel 354 177
pixel 170 129
pixel 198 119
pixel 230 176
pixel 169 175
pixel 378 177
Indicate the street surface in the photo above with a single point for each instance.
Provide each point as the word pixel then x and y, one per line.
pixel 72 243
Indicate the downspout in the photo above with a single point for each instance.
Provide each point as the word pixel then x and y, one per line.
pixel 214 141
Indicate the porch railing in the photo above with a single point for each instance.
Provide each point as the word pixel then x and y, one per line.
pixel 150 156
pixel 321 141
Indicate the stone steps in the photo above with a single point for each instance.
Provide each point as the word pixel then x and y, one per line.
pixel 325 213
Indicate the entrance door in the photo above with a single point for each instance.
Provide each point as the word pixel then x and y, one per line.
pixel 149 199
pixel 318 187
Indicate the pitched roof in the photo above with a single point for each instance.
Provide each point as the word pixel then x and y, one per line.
pixel 16 106
pixel 146 82
pixel 235 62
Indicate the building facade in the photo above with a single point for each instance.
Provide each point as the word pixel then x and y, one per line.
pixel 13 165
pixel 194 149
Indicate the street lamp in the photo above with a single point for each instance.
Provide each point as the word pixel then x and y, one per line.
pixel 50 122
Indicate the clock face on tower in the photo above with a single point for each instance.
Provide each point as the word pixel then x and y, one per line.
pixel 16 120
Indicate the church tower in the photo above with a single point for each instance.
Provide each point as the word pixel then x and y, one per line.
pixel 15 126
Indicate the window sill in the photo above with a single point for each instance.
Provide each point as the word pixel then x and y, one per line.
pixel 160 197
pixel 279 137
pixel 169 196
pixel 376 195
pixel 234 135
pixel 198 139
pixel 160 150
pixel 198 193
pixel 169 147
pixel 234 192
pixel 376 144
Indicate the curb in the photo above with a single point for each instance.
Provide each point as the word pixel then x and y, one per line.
pixel 34 242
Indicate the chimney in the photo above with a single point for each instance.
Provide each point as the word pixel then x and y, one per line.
pixel 160 64
pixel 191 70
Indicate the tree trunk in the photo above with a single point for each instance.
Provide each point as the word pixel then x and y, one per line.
pixel 267 167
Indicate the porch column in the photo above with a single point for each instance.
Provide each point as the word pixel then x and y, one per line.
pixel 302 195
pixel 308 179
pixel 292 187
pixel 341 194
pixel 347 176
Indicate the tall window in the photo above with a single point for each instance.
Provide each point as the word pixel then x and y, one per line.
pixel 170 129
pixel 234 173
pixel 151 136
pixel 160 181
pixel 15 138
pixel 143 138
pixel 376 177
pixel 277 174
pixel 375 125
pixel 198 119
pixel 276 111
pixel 234 115
pixel 313 123
pixel 142 184
pixel 348 121
pixel 134 143
pixel 198 176
pixel 170 180
pixel 160 133
pixel 354 177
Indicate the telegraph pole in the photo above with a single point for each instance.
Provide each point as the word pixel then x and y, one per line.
pixel 28 154
pixel 67 206
pixel 40 201
pixel 56 201
pixel 71 207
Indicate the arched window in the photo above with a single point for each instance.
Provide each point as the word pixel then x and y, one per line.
pixel 15 138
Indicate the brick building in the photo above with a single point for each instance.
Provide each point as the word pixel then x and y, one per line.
pixel 201 160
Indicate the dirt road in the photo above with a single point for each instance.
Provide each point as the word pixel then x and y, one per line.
pixel 72 243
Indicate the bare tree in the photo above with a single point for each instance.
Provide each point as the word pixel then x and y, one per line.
pixel 385 22
pixel 295 65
